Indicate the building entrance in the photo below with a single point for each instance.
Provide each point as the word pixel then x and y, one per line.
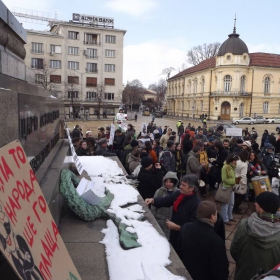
pixel 225 111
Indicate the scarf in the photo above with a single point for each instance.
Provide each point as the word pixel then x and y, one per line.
pixel 179 200
pixel 269 217
pixel 255 168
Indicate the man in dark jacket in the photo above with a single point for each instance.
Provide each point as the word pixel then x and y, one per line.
pixel 102 149
pixel 76 133
pixel 181 131
pixel 150 180
pixel 118 142
pixel 184 204
pixel 202 251
pixel 264 138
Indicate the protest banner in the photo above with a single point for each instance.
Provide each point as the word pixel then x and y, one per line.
pixel 78 164
pixel 144 128
pixel 30 240
pixel 233 131
pixel 112 134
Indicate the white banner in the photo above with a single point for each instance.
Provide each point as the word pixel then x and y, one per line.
pixel 233 131
pixel 112 134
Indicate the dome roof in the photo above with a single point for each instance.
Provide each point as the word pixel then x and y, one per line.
pixel 233 45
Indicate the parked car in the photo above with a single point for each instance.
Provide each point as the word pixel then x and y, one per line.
pixel 158 114
pixel 278 129
pixel 146 113
pixel 246 120
pixel 260 119
pixel 273 120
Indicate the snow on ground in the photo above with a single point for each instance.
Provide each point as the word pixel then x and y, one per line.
pixel 146 262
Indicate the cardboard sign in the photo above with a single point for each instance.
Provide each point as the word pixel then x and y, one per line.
pixel 30 240
pixel 123 126
pixel 233 131
pixel 112 134
pixel 78 164
pixel 144 129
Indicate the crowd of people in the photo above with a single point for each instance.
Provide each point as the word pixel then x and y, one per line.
pixel 177 168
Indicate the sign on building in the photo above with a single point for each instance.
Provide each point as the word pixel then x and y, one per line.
pixel 30 240
pixel 96 20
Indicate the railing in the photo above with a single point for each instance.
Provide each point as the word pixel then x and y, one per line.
pixel 55 81
pixel 92 56
pixel 92 42
pixel 91 85
pixel 231 93
pixel 37 66
pixel 92 71
pixel 37 51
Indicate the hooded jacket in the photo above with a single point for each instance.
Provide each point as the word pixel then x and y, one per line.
pixel 133 162
pixel 265 157
pixel 256 245
pixel 164 213
pixel 193 165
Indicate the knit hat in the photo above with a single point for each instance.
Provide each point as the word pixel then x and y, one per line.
pixel 268 201
pixel 170 143
pixel 134 143
pixel 146 162
pixel 268 146
pixel 239 141
pixel 247 143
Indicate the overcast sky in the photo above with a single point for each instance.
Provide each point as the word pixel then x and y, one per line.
pixel 160 32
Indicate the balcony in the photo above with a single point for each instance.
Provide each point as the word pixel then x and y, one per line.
pixel 231 93
pixel 92 56
pixel 91 85
pixel 91 70
pixel 37 51
pixel 34 66
pixel 93 42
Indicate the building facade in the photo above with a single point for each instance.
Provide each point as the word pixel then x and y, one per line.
pixel 79 63
pixel 231 85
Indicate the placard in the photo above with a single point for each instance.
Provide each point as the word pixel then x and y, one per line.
pixel 144 129
pixel 112 134
pixel 233 131
pixel 30 240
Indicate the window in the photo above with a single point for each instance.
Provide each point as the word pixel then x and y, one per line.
pixel 109 67
pixel 91 82
pixel 73 80
pixel 242 84
pixel 73 94
pixel 55 64
pixel 189 105
pixel 109 82
pixel 73 35
pixel 91 67
pixel 109 96
pixel 202 85
pixel 194 105
pixel 55 79
pixel 265 107
pixel 195 86
pixel 267 85
pixel 91 39
pixel 73 50
pixel 110 53
pixel 37 48
pixel 227 83
pixel 189 87
pixel 55 49
pixel 92 53
pixel 39 78
pixel 37 63
pixel 110 39
pixel 201 105
pixel 91 95
pixel 73 65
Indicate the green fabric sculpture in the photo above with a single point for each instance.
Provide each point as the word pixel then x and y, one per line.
pixel 88 212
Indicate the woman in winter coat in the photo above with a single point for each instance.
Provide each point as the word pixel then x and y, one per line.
pixel 170 184
pixel 228 181
pixel 82 149
pixel 187 144
pixel 134 160
pixel 180 166
pixel 152 153
pixel 241 178
pixel 156 147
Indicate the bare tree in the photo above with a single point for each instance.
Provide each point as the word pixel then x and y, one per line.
pixel 132 93
pixel 47 79
pixel 100 95
pixel 160 88
pixel 167 72
pixel 202 52
pixel 182 68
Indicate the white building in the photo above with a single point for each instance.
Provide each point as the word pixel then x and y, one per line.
pixel 75 58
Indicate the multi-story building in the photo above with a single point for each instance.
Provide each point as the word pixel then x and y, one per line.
pixel 231 85
pixel 82 63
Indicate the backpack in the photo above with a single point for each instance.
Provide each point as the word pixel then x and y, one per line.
pixel 165 159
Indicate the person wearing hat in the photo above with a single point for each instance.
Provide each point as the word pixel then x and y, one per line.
pixel 267 157
pixel 127 150
pixel 150 179
pixel 102 149
pixel 167 158
pixel 181 130
pixel 246 145
pixel 178 124
pixel 256 243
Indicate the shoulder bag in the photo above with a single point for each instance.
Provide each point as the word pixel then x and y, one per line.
pixel 223 194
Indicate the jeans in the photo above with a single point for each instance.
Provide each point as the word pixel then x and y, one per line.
pixel 226 209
